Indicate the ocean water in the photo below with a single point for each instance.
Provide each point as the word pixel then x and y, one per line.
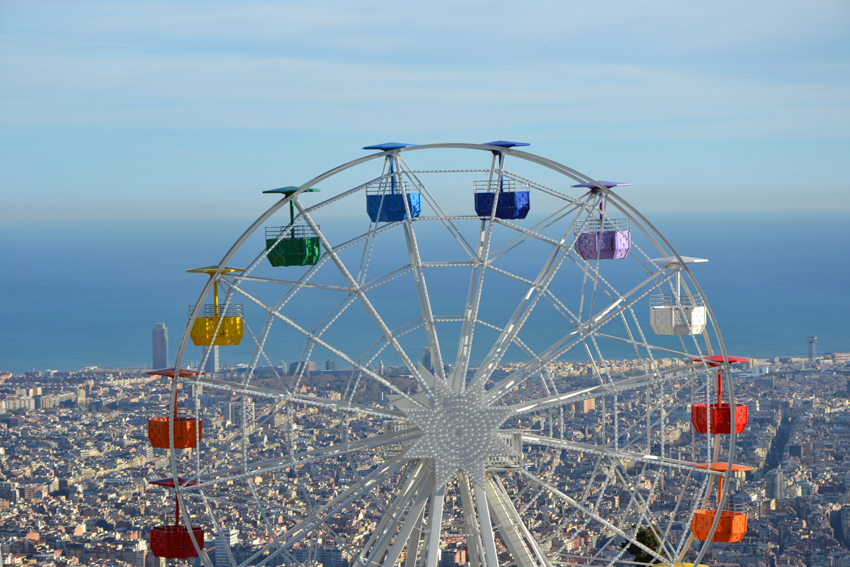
pixel 79 294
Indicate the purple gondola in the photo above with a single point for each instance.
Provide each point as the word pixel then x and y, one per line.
pixel 606 238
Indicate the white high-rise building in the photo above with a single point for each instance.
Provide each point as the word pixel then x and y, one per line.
pixel 160 346
pixel 224 540
pixel 235 416
pixel 774 485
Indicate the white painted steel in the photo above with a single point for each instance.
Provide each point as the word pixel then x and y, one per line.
pixel 471 443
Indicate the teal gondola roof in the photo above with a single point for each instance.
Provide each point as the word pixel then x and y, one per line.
pixel 290 190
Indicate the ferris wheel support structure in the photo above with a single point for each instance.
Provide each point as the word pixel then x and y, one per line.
pixel 450 436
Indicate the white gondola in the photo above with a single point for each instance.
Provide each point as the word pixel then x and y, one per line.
pixel 679 313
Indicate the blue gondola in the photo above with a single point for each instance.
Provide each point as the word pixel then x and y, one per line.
pixel 512 204
pixel 385 200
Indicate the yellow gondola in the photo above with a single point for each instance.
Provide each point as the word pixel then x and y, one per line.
pixel 228 320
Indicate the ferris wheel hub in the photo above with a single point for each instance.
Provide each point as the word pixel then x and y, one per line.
pixel 459 432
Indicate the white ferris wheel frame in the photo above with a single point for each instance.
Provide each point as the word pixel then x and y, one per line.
pixel 412 495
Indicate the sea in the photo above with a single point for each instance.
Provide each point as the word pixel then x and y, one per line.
pixel 77 294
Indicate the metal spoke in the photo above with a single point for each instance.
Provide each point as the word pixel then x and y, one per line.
pixel 292 283
pixel 475 546
pixel 486 526
pixel 302 458
pixel 297 398
pixel 593 515
pixel 358 291
pixel 377 545
pixel 614 454
pixel 356 365
pixel 514 534
pixel 414 519
pixel 473 299
pixel 633 383
pixel 435 523
pixel 422 291
pixel 301 529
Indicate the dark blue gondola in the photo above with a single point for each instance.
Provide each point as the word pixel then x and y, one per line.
pixel 512 203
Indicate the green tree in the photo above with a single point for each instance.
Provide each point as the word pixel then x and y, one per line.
pixel 645 536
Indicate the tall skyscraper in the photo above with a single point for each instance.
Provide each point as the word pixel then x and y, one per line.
pixel 224 540
pixel 813 348
pixel 211 367
pixel 160 346
pixel 426 358
pixel 330 364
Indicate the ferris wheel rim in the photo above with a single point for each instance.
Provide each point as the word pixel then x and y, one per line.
pixel 559 168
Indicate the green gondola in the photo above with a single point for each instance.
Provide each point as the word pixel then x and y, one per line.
pixel 293 245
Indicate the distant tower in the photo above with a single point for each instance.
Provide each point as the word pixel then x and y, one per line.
pixel 382 368
pixel 330 364
pixel 160 346
pixel 211 367
pixel 426 358
pixel 813 348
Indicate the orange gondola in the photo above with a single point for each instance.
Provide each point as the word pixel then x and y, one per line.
pixel 187 430
pixel 732 525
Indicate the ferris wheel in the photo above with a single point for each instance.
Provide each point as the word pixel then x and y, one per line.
pixel 494 360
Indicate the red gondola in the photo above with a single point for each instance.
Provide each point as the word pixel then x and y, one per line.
pixel 175 541
pixel 719 415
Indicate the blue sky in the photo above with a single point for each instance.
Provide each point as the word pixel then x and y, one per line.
pixel 190 109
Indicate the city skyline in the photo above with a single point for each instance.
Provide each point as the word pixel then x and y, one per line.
pixel 791 444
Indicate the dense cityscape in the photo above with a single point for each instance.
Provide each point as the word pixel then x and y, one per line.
pixel 75 466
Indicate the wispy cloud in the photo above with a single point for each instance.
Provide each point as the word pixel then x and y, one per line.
pixel 639 71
